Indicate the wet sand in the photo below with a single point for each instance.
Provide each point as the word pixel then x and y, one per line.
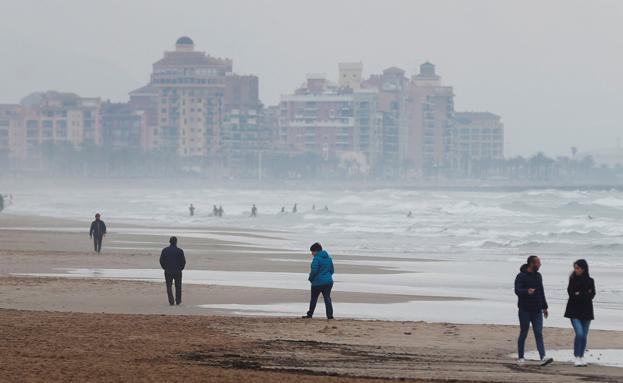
pixel 78 347
pixel 66 329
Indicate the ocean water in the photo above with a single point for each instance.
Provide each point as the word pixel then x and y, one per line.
pixel 475 240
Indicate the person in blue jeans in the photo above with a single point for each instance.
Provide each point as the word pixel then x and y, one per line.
pixel 321 278
pixel 581 290
pixel 532 307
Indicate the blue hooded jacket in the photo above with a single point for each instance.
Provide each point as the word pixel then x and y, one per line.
pixel 321 269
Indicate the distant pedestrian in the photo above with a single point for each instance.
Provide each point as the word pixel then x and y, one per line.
pixel 294 209
pixel 283 210
pixel 1 203
pixel 220 211
pixel 581 290
pixel 314 207
pixel 532 307
pixel 254 211
pixel 191 209
pixel 214 211
pixel 97 233
pixel 173 262
pixel 321 278
pixel 410 214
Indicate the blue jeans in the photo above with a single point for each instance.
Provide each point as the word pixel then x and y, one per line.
pixel 581 336
pixel 525 318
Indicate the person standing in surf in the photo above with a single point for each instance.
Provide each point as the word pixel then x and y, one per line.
pixel 532 307
pixel 321 278
pixel 581 290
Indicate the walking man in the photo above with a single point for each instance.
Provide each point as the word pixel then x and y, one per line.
pixel 97 232
pixel 321 278
pixel 254 211
pixel 173 262
pixel 191 210
pixel 532 307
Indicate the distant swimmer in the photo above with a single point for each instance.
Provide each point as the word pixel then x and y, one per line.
pixel 220 211
pixel 173 262
pixel 97 232
pixel 590 217
pixel 214 211
pixel 254 211
pixel 321 279
pixel 409 214
pixel 191 209
pixel 294 208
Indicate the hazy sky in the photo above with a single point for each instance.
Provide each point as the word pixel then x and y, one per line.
pixel 552 69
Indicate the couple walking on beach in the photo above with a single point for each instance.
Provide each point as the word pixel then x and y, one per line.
pixel 533 307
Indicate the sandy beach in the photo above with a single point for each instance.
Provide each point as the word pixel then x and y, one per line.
pixel 112 329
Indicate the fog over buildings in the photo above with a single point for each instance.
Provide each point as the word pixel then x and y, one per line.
pixel 407 89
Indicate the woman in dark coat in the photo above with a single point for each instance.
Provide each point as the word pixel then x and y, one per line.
pixel 581 291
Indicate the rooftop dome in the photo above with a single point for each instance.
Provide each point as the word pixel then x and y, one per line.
pixel 184 40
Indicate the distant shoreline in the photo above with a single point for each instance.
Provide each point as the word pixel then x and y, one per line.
pixel 9 184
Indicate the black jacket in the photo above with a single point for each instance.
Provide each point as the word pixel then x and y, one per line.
pixel 581 293
pixel 172 259
pixel 525 281
pixel 98 228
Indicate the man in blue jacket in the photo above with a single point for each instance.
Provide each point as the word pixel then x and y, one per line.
pixel 173 262
pixel 532 307
pixel 321 278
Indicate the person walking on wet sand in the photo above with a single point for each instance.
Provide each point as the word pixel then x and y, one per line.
pixel 97 232
pixel 173 262
pixel 191 210
pixel 321 278
pixel 581 290
pixel 532 307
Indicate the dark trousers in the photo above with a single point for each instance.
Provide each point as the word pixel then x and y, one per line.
pixel 97 242
pixel 169 278
pixel 525 319
pixel 326 294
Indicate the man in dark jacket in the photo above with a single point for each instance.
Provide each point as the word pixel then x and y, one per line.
pixel 321 278
pixel 173 262
pixel 532 307
pixel 97 232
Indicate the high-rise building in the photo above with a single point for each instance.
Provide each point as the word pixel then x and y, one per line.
pixel 241 135
pixel 417 122
pixel 323 118
pixel 479 138
pixel 431 132
pixel 349 75
pixel 124 128
pixel 55 118
pixel 191 88
pixel 12 134
pixel 145 100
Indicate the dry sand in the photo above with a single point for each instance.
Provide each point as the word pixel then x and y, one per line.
pixel 56 329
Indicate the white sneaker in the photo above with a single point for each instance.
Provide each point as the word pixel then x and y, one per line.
pixel 521 361
pixel 584 363
pixel 545 361
pixel 577 362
